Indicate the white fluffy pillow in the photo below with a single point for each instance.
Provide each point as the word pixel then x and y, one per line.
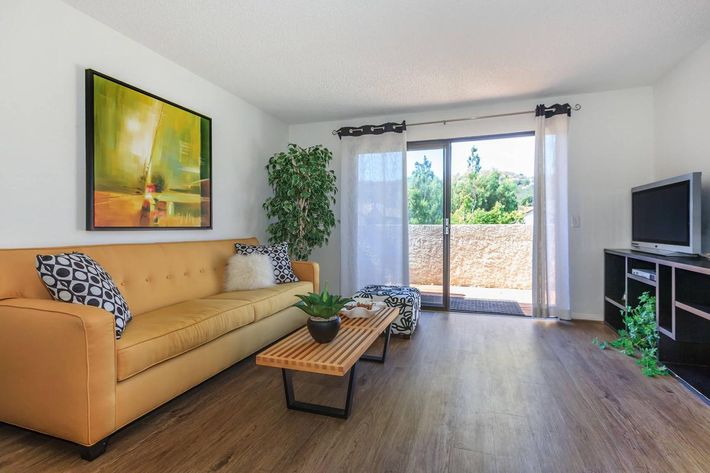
pixel 252 271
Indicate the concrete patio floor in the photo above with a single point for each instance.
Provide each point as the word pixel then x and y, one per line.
pixel 487 299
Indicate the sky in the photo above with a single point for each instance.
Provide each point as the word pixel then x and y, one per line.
pixel 505 154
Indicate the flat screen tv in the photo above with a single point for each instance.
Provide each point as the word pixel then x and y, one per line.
pixel 665 216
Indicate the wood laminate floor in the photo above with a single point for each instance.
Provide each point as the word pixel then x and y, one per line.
pixel 467 393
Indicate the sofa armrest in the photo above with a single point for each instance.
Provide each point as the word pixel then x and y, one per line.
pixel 308 271
pixel 58 369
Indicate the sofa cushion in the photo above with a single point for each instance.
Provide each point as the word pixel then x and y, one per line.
pixel 247 272
pixel 278 254
pixel 269 300
pixel 77 278
pixel 161 334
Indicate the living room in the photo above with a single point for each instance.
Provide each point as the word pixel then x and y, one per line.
pixel 239 179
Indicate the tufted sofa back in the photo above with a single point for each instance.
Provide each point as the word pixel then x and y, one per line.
pixel 150 275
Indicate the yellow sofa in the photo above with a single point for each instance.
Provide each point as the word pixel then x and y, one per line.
pixel 63 373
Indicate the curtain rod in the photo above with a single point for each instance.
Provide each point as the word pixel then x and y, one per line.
pixel 576 108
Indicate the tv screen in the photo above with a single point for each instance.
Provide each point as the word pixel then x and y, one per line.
pixel 662 214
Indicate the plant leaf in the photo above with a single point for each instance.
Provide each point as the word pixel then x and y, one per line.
pixel 640 337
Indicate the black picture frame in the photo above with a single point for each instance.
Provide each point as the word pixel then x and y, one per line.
pixel 89 75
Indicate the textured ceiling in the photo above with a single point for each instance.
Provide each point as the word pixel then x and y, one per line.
pixel 314 60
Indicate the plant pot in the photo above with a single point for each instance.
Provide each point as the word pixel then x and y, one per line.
pixel 323 330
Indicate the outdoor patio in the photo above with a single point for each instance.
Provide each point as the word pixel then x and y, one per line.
pixel 480 299
pixel 491 267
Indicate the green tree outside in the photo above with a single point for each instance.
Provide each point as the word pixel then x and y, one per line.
pixel 424 195
pixel 477 197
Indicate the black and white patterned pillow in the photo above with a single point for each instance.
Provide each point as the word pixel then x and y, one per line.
pixel 283 271
pixel 77 278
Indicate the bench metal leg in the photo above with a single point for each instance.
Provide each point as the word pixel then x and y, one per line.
pixel 380 358
pixel 291 402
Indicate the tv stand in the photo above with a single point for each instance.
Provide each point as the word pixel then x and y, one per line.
pixel 682 290
pixel 670 254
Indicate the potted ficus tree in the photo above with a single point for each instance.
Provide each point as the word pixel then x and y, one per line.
pixel 303 193
pixel 323 308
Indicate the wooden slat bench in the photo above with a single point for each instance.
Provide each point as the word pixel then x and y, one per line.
pixel 300 352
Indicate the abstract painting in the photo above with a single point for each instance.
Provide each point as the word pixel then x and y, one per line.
pixel 149 161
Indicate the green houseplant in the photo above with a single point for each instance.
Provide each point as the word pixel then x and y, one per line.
pixel 640 337
pixel 303 192
pixel 323 308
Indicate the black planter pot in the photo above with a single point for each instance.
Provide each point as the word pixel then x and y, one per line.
pixel 324 331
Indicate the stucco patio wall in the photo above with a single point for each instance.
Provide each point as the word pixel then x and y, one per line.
pixel 481 255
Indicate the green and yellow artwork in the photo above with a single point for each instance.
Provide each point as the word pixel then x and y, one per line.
pixel 148 160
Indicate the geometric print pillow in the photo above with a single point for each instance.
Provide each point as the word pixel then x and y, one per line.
pixel 77 278
pixel 278 254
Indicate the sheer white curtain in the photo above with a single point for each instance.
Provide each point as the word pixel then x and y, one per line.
pixel 550 227
pixel 374 240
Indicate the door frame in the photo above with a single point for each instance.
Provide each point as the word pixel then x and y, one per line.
pixel 445 145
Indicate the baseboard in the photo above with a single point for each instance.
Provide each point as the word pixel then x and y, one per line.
pixel 595 317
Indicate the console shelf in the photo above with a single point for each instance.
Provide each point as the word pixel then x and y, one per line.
pixel 696 309
pixel 682 291
pixel 619 305
pixel 641 279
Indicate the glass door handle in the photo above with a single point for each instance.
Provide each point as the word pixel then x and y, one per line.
pixel 446 226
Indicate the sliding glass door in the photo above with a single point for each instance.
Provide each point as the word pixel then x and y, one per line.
pixel 428 221
pixel 470 203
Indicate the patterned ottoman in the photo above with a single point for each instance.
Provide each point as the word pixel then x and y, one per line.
pixel 408 299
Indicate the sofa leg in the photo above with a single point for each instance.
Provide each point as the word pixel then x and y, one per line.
pixel 94 451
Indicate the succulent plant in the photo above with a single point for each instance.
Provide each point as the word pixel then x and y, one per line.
pixel 323 305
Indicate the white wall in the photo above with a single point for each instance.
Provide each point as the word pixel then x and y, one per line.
pixel 610 150
pixel 45 46
pixel 682 126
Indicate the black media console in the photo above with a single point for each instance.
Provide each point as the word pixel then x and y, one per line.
pixel 682 290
